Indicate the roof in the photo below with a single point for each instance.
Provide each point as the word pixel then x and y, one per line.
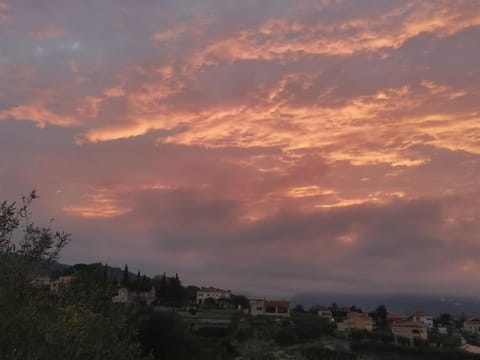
pixel 277 303
pixel 473 321
pixel 471 348
pixel 409 324
pixel 395 317
pixel 354 314
pixel 419 314
pixel 213 290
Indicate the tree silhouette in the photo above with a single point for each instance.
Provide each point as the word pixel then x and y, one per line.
pixel 125 275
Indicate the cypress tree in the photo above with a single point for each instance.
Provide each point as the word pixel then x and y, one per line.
pixel 125 275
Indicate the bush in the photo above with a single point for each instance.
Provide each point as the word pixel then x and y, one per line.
pixel 164 335
pixel 212 332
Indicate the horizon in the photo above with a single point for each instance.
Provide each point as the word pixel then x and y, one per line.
pixel 275 147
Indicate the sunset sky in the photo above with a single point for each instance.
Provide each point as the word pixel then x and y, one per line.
pixel 273 147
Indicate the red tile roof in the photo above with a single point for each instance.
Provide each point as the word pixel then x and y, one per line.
pixel 212 289
pixel 354 314
pixel 410 324
pixel 277 303
pixel 419 314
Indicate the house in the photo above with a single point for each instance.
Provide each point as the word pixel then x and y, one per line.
pixel 212 293
pixel 61 283
pixel 421 317
pixel 355 321
pixel 275 308
pixel 393 318
pixel 326 314
pixel 41 281
pixel 410 330
pixel 129 296
pixel 472 326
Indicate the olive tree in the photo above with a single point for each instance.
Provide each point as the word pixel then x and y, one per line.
pixel 37 325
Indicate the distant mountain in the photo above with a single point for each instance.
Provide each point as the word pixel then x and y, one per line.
pixel 399 304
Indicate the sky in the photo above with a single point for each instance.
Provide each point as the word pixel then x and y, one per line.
pixel 270 147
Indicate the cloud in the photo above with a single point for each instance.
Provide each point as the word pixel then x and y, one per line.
pixel 37 113
pixel 50 32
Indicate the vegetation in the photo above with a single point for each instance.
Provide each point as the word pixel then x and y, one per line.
pixel 77 324
pixel 389 351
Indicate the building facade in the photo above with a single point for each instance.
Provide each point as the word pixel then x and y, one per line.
pixel 126 296
pixel 212 293
pixel 410 330
pixel 472 326
pixel 275 308
pixel 325 314
pixel 356 321
pixel 61 283
pixel 421 317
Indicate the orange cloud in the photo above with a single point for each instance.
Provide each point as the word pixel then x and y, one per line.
pixel 50 32
pixel 280 38
pixel 342 130
pixel 39 114
pixel 98 205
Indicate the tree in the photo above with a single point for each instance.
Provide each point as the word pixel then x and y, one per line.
pixel 36 243
pixel 35 325
pixel 125 275
pixel 299 308
pixel 353 308
pixel 381 314
pixel 333 308
pixel 105 274
pixel 445 318
pixel 240 301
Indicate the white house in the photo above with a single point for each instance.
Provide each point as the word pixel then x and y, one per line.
pixel 212 293
pixel 42 281
pixel 326 314
pixel 421 317
pixel 127 296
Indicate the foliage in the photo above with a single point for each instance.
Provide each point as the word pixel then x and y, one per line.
pixel 170 292
pixel 164 335
pixel 240 301
pixel 36 243
pixel 407 352
pixel 212 332
pixel 309 326
pixel 78 323
pixel 299 308
pixel 319 352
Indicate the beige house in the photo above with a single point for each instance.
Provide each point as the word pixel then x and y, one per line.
pixel 472 326
pixel 393 318
pixel 62 282
pixel 410 330
pixel 355 321
pixel 127 296
pixel 274 308
pixel 212 293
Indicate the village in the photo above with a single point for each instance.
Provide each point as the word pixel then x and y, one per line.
pixel 336 327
